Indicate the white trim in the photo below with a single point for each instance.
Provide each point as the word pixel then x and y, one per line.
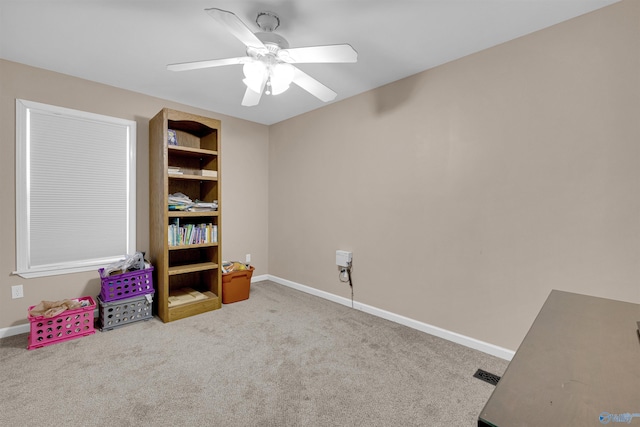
pixel 43 129
pixel 15 330
pixel 466 341
pixel 259 278
pixel 310 290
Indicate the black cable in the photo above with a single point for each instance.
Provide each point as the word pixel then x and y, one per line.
pixel 350 284
pixel 347 269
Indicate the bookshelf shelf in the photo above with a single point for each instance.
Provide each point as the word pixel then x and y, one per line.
pixel 209 302
pixel 201 245
pixel 196 177
pixel 186 214
pixel 191 151
pixel 191 269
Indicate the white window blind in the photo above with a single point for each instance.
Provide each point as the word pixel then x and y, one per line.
pixel 75 189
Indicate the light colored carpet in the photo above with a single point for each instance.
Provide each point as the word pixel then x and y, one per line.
pixel 280 358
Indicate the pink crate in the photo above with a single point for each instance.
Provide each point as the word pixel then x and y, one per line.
pixel 126 285
pixel 66 326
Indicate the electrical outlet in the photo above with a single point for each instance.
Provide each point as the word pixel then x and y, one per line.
pixel 343 258
pixel 17 291
pixel 247 259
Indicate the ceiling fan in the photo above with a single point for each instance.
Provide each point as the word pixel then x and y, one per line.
pixel 269 60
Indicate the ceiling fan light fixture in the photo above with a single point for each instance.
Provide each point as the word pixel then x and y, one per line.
pixel 254 74
pixel 281 77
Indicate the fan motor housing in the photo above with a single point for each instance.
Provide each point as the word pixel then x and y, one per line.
pixel 269 38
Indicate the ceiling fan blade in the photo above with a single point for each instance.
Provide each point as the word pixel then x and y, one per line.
pixel 184 66
pixel 313 86
pixel 319 54
pixel 251 97
pixel 236 27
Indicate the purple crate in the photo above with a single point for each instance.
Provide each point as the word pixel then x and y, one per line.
pixel 126 285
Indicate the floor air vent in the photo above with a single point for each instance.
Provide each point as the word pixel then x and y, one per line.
pixel 487 377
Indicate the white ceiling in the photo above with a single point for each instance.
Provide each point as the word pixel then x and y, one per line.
pixel 128 43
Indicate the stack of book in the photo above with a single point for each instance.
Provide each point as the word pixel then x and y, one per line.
pixel 182 202
pixel 179 202
pixel 192 234
pixel 204 206
pixel 184 296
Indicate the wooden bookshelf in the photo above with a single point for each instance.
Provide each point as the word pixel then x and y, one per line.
pixel 190 266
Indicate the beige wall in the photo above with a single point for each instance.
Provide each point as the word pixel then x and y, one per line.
pixel 244 178
pixel 466 192
pixel 469 191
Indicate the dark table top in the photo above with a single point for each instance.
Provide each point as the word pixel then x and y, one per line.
pixel 579 365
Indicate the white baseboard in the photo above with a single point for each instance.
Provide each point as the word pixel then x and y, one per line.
pixel 473 343
pixel 259 278
pixel 15 330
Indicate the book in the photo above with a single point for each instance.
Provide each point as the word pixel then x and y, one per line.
pixel 206 172
pixel 184 296
pixel 192 234
pixel 172 137
pixel 199 206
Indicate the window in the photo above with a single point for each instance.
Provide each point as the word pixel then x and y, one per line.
pixel 75 189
